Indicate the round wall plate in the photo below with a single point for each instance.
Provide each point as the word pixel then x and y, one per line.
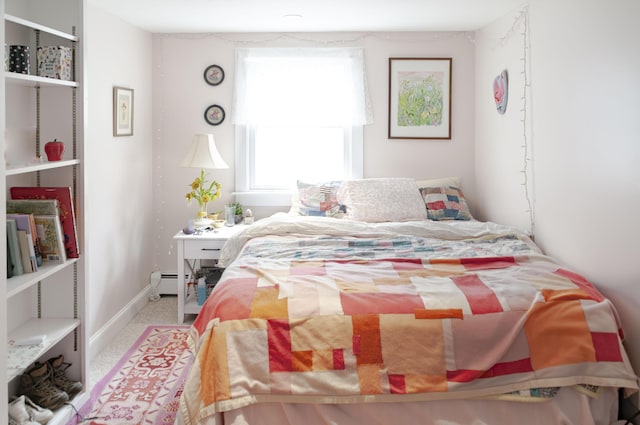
pixel 214 75
pixel 214 115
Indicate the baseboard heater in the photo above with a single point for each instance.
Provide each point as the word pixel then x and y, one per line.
pixel 164 283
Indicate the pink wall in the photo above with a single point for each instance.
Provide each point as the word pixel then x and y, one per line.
pixel 583 133
pixel 119 185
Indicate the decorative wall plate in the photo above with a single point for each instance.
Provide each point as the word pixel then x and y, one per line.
pixel 213 75
pixel 501 91
pixel 214 115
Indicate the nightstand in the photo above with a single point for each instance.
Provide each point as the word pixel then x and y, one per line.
pixel 192 249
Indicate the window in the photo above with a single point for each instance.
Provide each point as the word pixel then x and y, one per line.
pixel 299 114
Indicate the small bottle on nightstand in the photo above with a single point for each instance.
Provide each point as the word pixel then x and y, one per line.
pixel 248 216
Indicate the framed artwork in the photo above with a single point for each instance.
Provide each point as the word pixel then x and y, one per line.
pixel 122 111
pixel 420 98
pixel 214 75
pixel 214 115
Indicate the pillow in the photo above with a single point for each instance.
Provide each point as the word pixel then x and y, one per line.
pixel 445 203
pixel 382 199
pixel 443 181
pixel 317 199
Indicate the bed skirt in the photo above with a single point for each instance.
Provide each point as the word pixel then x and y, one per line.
pixel 568 407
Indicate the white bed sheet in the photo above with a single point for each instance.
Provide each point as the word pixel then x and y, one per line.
pixel 569 407
pixel 281 223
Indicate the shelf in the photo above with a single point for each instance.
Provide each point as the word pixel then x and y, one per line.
pixel 35 26
pixel 17 284
pixel 21 357
pixel 31 168
pixel 35 81
pixel 191 305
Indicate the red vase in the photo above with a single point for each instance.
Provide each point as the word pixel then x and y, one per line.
pixel 54 150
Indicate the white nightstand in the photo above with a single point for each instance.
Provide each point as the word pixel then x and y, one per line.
pixel 205 246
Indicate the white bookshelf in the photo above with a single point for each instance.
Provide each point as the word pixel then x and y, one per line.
pixel 48 303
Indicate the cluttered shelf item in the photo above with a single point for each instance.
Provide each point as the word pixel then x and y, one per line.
pixel 333 320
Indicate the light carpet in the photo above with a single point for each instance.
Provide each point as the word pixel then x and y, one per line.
pixel 144 387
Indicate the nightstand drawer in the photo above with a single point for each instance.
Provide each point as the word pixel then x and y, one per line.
pixel 203 249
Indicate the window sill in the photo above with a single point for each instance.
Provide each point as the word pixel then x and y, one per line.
pixel 267 198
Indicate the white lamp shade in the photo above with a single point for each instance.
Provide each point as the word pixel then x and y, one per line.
pixel 203 153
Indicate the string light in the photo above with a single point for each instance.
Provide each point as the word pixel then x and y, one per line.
pixel 159 194
pixel 344 38
pixel 520 28
pixel 527 143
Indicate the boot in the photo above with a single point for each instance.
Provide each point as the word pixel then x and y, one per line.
pixel 37 384
pixel 60 380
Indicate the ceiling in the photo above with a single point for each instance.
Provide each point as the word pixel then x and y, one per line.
pixel 198 16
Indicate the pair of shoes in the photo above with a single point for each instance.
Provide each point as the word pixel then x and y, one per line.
pixel 47 385
pixel 23 411
pixel 37 384
pixel 61 380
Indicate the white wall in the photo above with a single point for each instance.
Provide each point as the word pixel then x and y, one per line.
pixel 181 96
pixel 583 112
pixel 118 169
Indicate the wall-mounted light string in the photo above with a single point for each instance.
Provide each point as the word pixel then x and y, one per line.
pixel 520 28
pixel 527 133
pixel 342 38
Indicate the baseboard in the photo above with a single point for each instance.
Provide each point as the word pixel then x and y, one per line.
pixel 99 340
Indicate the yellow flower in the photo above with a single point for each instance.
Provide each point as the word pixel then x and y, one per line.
pixel 202 191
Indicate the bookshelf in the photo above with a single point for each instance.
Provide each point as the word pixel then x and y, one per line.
pixel 50 302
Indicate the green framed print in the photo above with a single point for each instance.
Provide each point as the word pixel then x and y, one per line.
pixel 420 98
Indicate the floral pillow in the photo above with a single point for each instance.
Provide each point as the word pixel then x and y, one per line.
pixel 316 199
pixel 445 203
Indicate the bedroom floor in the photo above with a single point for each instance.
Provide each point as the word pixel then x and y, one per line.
pixel 161 312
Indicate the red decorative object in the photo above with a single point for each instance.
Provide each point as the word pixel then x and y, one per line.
pixel 54 150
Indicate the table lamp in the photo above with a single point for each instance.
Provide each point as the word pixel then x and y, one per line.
pixel 203 154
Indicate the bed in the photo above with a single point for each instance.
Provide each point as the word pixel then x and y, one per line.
pixel 400 315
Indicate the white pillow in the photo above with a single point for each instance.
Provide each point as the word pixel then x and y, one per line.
pixel 441 182
pixel 382 199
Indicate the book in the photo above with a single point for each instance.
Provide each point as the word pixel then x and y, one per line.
pixel 27 223
pixel 51 237
pixel 33 206
pixel 9 262
pixel 67 211
pixel 24 241
pixel 14 248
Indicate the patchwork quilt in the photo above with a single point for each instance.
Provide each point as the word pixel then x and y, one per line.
pixel 308 312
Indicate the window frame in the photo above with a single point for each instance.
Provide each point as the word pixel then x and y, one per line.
pixel 270 197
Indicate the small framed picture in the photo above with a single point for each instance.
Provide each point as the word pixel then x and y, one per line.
pixel 122 111
pixel 420 98
pixel 213 75
pixel 214 115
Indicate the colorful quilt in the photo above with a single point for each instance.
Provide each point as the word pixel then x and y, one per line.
pixel 315 315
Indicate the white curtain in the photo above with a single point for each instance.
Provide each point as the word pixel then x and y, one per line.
pixel 301 87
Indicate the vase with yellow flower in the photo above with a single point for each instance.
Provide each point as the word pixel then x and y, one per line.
pixel 203 192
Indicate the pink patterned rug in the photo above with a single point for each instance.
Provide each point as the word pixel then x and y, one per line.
pixel 145 386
